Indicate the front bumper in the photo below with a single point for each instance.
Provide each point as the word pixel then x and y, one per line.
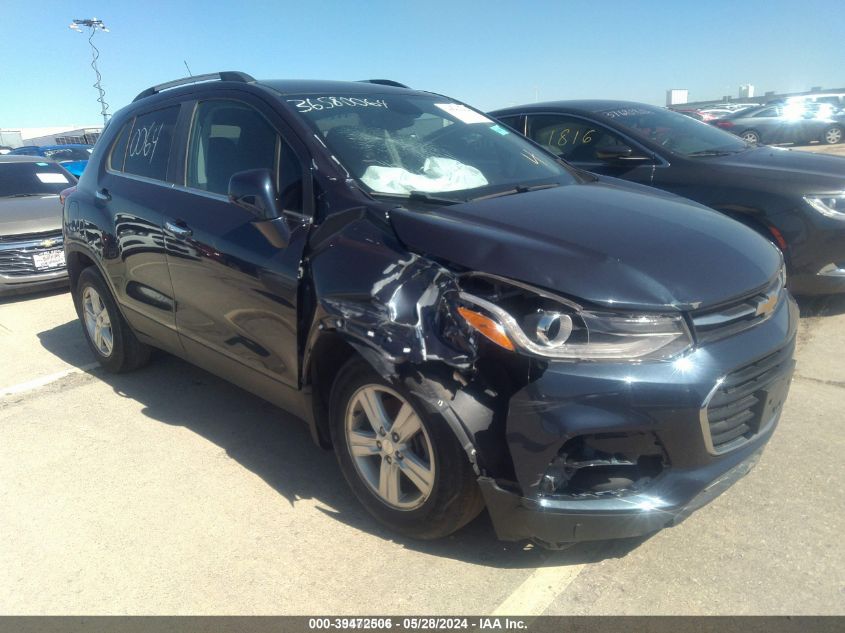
pixel 554 523
pixel 666 400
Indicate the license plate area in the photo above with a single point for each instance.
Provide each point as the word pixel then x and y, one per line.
pixel 46 260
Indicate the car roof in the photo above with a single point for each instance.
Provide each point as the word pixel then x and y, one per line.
pixel 67 146
pixel 583 105
pixel 24 158
pixel 278 87
pixel 306 86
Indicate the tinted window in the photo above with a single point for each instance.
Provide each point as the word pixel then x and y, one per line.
pixel 571 138
pixel 22 179
pixel 767 113
pixel 512 122
pixel 672 131
pixel 118 148
pixel 228 137
pixel 148 150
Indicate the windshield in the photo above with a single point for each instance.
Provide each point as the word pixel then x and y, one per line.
pixel 413 144
pixel 676 132
pixel 32 179
pixel 65 154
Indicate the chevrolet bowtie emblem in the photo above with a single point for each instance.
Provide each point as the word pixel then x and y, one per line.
pixel 49 243
pixel 767 305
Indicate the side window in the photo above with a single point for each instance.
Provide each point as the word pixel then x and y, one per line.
pixel 767 113
pixel 148 150
pixel 228 137
pixel 117 154
pixel 571 138
pixel 512 122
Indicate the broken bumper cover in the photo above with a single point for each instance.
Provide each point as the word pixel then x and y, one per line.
pixel 555 522
pixel 667 401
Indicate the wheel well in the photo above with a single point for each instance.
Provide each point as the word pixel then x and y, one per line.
pixel 328 355
pixel 76 263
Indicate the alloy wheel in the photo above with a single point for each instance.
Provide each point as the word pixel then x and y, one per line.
pixel 833 135
pixel 390 447
pixel 97 321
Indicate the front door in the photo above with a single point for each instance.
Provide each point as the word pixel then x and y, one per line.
pixel 234 275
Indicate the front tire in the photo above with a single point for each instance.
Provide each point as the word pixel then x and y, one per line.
pixel 113 343
pixel 403 463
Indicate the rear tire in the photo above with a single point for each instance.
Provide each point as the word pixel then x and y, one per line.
pixel 751 136
pixel 832 135
pixel 110 338
pixel 407 469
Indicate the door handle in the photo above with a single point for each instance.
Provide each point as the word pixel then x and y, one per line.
pixel 178 229
pixel 103 194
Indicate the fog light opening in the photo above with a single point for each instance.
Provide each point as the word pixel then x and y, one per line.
pixel 605 464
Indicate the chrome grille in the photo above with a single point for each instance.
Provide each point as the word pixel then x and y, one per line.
pixel 16 253
pixel 746 401
pixel 725 320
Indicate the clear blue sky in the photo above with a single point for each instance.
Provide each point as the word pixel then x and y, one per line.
pixel 487 53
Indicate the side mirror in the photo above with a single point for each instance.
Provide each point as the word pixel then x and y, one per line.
pixel 621 153
pixel 255 191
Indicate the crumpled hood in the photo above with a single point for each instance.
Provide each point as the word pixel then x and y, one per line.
pixel 601 242
pixel 815 173
pixel 30 215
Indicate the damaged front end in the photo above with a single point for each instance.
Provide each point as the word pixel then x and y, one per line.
pixel 581 424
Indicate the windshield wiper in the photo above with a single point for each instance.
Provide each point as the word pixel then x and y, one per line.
pixel 518 189
pixel 715 152
pixel 418 196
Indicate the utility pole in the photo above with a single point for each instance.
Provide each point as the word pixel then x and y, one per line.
pixel 93 25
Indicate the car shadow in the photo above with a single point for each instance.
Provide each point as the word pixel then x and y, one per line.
pixel 278 448
pixel 823 306
pixel 20 296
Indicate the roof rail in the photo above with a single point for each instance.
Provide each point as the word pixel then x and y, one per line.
pixel 384 82
pixel 226 75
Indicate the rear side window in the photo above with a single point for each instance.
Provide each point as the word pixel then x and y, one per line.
pixel 148 149
pixel 118 149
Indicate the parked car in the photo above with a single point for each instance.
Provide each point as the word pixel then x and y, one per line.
pixel 73 157
pixel 795 199
pixel 694 113
pixel 465 319
pixel 31 247
pixel 834 99
pixel 797 123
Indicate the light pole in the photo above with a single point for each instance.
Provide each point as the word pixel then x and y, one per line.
pixel 94 25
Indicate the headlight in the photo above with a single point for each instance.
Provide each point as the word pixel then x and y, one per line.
pixel 515 316
pixel 830 206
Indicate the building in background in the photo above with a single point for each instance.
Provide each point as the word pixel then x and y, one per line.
pixel 765 98
pixel 677 96
pixel 62 135
pixel 746 91
pixel 10 138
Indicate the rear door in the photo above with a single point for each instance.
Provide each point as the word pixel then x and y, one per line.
pixel 134 190
pixel 578 140
pixel 235 276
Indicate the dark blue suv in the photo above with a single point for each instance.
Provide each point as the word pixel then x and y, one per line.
pixel 464 318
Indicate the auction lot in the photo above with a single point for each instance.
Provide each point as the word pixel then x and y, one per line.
pixel 169 491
